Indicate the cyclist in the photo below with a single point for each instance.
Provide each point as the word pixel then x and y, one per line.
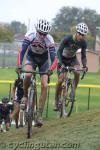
pixel 6 108
pixel 67 56
pixel 17 94
pixel 38 45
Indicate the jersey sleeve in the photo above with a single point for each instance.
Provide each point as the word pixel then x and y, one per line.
pixel 29 36
pixel 50 41
pixel 60 49
pixel 52 52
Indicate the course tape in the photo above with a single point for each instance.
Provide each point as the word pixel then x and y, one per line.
pixel 54 84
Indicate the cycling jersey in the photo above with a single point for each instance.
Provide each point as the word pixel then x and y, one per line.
pixel 37 47
pixel 69 47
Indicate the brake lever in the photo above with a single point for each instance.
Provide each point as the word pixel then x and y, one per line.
pixel 84 73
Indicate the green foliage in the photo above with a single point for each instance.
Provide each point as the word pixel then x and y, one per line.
pixel 7 31
pixel 6 34
pixel 18 27
pixel 58 35
pixel 90 41
pixel 68 17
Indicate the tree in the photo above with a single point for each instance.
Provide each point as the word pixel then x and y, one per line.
pixel 17 27
pixel 6 34
pixel 68 17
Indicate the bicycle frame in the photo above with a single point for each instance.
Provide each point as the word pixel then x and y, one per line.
pixel 32 90
pixel 31 110
pixel 68 91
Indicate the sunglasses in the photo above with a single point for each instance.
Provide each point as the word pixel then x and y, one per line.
pixel 81 34
pixel 43 34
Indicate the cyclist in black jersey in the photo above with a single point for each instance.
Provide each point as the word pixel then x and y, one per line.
pixel 67 55
pixel 6 109
pixel 17 94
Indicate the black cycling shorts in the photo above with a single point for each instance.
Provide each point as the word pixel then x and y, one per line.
pixel 40 61
pixel 70 61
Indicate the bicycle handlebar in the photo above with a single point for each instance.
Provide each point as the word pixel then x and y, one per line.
pixel 69 68
pixel 37 72
pixel 84 73
pixel 33 72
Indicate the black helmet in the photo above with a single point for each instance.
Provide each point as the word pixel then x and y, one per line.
pixel 5 100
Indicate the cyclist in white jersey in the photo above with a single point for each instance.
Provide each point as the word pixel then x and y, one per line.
pixel 38 44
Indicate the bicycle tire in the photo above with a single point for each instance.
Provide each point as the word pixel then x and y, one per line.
pixel 68 100
pixel 21 118
pixel 29 113
pixel 29 124
pixel 60 109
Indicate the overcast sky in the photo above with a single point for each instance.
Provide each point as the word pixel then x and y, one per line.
pixel 25 10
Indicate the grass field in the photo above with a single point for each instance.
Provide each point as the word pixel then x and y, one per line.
pixel 81 94
pixel 79 132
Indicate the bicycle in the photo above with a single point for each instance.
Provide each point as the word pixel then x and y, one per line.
pixel 22 116
pixel 31 110
pixel 67 95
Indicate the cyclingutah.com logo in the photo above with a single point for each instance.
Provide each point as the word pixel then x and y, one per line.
pixel 54 145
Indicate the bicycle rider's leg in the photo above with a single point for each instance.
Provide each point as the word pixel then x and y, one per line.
pixel 7 122
pixel 76 76
pixel 75 63
pixel 15 113
pixel 44 86
pixel 26 83
pixel 58 90
pixel 60 81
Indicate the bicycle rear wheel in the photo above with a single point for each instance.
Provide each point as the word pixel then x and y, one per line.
pixel 60 109
pixel 68 100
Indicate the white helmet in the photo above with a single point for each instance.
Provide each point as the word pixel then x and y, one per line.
pixel 82 28
pixel 43 26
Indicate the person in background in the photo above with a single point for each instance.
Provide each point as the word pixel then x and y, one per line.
pixel 38 44
pixel 17 94
pixel 6 109
pixel 67 56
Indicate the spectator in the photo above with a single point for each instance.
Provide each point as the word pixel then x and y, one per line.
pixel 6 108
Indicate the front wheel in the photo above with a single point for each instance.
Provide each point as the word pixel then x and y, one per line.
pixel 68 98
pixel 21 118
pixel 29 114
pixel 29 123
